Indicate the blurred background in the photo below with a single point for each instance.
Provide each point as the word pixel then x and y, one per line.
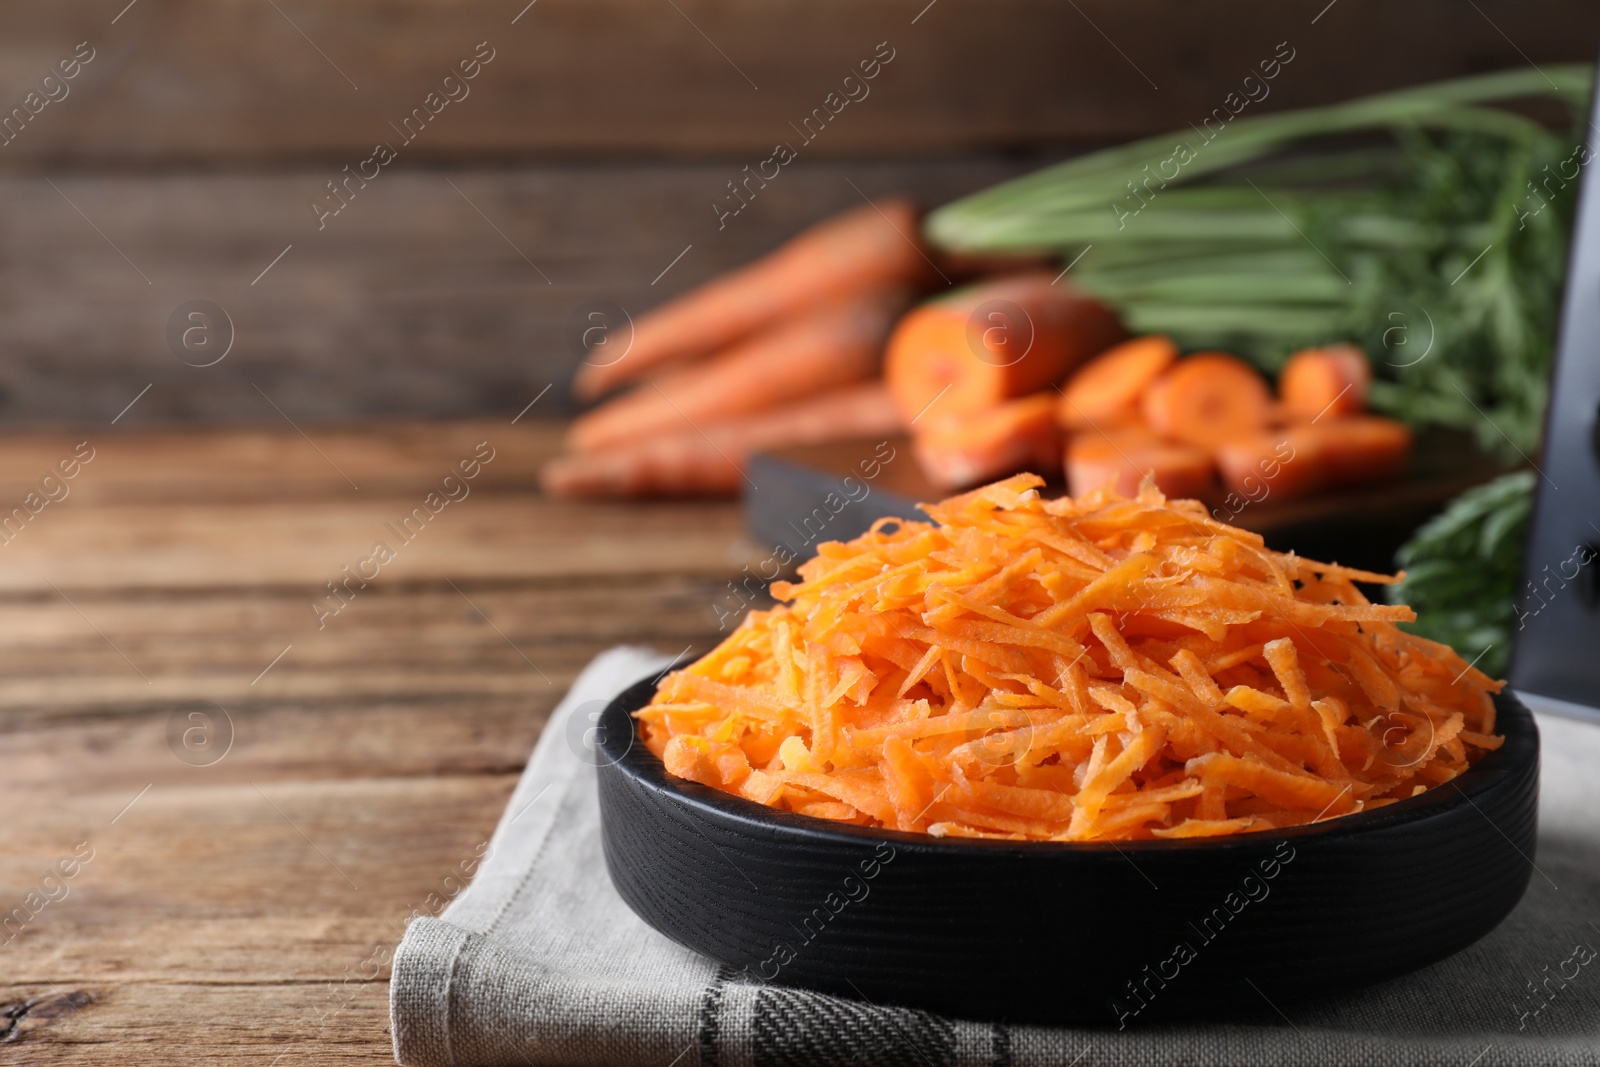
pixel 186 157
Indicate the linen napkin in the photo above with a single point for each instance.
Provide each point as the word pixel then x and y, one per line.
pixel 539 962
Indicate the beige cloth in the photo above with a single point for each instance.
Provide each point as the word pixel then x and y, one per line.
pixel 539 962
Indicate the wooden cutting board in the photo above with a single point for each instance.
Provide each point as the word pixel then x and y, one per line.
pixel 799 497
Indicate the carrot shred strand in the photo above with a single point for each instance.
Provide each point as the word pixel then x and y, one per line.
pixel 1099 668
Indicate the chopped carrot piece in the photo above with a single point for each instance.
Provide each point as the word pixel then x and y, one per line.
pixel 1208 398
pixel 1366 449
pixel 1107 390
pixel 1325 383
pixel 1124 458
pixel 993 342
pixel 1099 668
pixel 956 450
pixel 1309 458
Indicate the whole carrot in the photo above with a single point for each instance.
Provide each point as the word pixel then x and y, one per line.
pixel 836 344
pixel 711 461
pixel 872 247
pixel 993 342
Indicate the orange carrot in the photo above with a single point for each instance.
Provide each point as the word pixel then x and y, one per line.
pixel 1284 464
pixel 1305 459
pixel 872 247
pixel 1107 390
pixel 956 450
pixel 1207 398
pixel 1325 383
pixel 991 342
pixel 712 462
pixel 834 345
pixel 1076 669
pixel 1123 457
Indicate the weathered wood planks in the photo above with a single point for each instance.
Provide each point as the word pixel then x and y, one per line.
pixel 188 155
pixel 245 910
pixel 208 82
pixel 409 303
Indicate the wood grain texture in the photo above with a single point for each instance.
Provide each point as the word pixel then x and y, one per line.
pixel 209 81
pixel 587 159
pixel 244 1023
pixel 246 909
pixel 433 293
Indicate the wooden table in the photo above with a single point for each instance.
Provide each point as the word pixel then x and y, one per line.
pixel 245 910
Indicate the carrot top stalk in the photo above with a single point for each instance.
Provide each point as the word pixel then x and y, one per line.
pixel 871 247
pixel 834 345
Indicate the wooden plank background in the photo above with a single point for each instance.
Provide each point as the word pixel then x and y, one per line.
pixel 408 302
pixel 237 80
pixel 186 156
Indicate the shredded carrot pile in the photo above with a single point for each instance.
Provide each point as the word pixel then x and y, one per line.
pixel 1072 670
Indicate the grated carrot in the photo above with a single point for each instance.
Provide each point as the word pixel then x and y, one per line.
pixel 1073 670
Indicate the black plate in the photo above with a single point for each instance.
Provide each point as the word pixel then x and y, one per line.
pixel 1047 932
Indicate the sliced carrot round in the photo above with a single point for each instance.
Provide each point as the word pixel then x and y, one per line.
pixel 996 341
pixel 1208 398
pixel 1319 383
pixel 958 449
pixel 1123 458
pixel 1284 464
pixel 1308 458
pixel 1365 449
pixel 1107 389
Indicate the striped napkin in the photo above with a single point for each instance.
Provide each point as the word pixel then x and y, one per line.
pixel 539 962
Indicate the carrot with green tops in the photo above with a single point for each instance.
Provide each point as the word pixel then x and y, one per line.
pixel 1329 382
pixel 956 450
pixel 834 345
pixel 1124 457
pixel 992 342
pixel 711 461
pixel 1304 459
pixel 1207 398
pixel 875 246
pixel 1107 390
